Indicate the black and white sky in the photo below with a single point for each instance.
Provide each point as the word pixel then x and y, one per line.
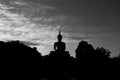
pixel 36 23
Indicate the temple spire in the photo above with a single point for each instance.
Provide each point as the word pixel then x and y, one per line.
pixel 59 36
pixel 59 32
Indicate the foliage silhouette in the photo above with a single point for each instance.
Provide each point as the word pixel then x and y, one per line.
pixel 21 61
pixel 86 53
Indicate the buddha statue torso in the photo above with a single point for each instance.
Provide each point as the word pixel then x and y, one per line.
pixel 59 46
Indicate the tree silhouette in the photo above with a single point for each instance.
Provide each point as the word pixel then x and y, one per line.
pixel 102 54
pixel 27 62
pixel 117 59
pixel 85 51
pixel 19 60
pixel 119 55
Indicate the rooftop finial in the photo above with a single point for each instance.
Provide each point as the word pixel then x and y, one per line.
pixel 59 36
pixel 59 32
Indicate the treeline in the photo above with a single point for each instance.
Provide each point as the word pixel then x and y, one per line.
pixel 19 61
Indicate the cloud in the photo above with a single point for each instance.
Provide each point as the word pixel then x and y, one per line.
pixel 20 3
pixel 55 20
pixel 78 33
pixel 14 26
pixel 28 8
pixel 5 7
pixel 41 30
pixel 29 43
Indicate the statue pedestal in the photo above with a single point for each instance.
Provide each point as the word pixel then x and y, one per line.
pixel 59 57
pixel 59 54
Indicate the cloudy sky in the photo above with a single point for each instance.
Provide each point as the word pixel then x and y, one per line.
pixel 36 23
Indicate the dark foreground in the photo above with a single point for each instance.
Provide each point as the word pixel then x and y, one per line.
pixel 22 62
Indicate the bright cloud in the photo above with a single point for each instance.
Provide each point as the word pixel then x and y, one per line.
pixel 22 23
pixel 19 3
pixel 15 26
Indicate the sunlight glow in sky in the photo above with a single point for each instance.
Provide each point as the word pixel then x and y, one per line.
pixel 15 26
pixel 36 23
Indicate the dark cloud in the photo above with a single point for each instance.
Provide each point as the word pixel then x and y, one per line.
pixel 29 43
pixel 79 38
pixel 29 8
